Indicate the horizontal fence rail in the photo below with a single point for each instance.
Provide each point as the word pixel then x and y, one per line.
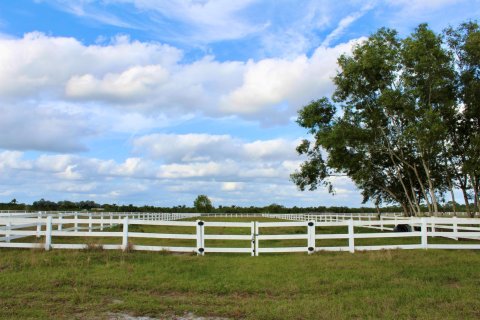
pixel 304 232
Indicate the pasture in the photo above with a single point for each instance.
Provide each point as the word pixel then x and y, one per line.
pixel 94 284
pixel 109 284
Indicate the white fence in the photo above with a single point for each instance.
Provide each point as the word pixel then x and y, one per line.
pixel 84 220
pixel 253 236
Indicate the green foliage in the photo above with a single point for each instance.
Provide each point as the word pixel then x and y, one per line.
pixel 203 204
pixel 405 104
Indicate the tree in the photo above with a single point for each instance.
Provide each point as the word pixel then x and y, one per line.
pixel 464 153
pixel 203 204
pixel 400 111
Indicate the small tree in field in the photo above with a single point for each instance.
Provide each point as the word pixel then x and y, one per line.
pixel 203 204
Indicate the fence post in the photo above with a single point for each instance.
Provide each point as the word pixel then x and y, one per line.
pixel 75 225
pixel 48 233
pixel 101 221
pixel 39 224
pixel 432 226
pixel 60 226
pixel 424 232
pixel 200 239
pixel 311 237
pixel 381 223
pixel 257 241
pixel 125 234
pixel 89 222
pixel 351 239
pixel 8 234
pixel 455 228
pixel 252 231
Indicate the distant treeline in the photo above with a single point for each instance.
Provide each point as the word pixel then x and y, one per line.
pixel 46 205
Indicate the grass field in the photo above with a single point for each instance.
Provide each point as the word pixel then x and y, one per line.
pixel 94 284
pixel 384 284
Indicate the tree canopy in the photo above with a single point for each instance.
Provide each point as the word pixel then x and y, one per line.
pixel 404 121
pixel 203 204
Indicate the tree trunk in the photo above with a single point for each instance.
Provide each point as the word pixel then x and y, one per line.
pixel 405 209
pixel 467 204
pixel 454 205
pixel 430 186
pixel 378 209
pixel 475 186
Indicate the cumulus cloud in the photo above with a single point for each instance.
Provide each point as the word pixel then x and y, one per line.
pixel 149 78
pixel 273 89
pixel 207 147
pixel 232 186
pixel 74 177
pixel 26 126
pixel 37 64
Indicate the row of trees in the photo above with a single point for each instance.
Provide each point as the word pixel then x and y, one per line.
pixel 202 206
pixel 403 122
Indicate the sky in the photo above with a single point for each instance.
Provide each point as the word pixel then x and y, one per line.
pixel 152 102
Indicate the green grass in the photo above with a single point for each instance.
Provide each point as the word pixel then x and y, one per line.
pixel 90 284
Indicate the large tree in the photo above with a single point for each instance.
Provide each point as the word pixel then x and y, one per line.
pixel 391 122
pixel 203 204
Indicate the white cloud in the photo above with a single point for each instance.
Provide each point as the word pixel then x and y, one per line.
pixel 199 21
pixel 136 180
pixel 205 147
pixel 232 186
pixel 273 89
pixel 29 126
pixel 132 84
pixel 37 63
pixel 345 23
pixel 148 78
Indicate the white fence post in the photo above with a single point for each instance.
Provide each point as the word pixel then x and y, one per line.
pixel 200 238
pixel 60 226
pixel 311 237
pixel 257 241
pixel 455 228
pixel 39 224
pixel 351 239
pixel 8 234
pixel 75 225
pixel 125 234
pixel 381 223
pixel 254 238
pixel 424 232
pixel 89 222
pixel 432 226
pixel 48 233
pixel 101 221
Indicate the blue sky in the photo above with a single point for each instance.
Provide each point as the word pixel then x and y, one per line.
pixel 155 102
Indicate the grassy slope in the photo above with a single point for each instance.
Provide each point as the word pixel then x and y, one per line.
pixel 385 284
